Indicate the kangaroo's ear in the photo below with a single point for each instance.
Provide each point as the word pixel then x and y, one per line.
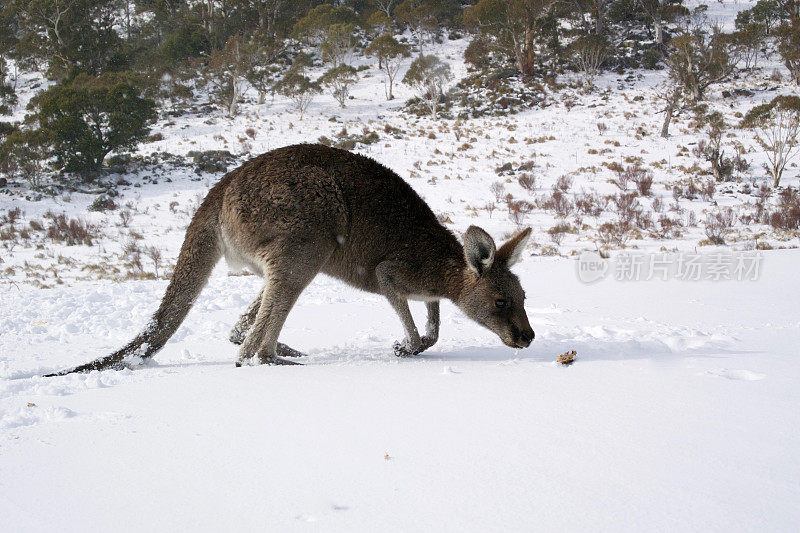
pixel 511 251
pixel 479 249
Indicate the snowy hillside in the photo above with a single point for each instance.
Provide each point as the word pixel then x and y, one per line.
pixel 678 414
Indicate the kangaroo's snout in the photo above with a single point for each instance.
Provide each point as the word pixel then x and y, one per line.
pixel 526 337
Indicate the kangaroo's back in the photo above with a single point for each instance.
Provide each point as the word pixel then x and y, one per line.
pixel 322 194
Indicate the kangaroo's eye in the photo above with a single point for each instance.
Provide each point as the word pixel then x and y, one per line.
pixel 501 304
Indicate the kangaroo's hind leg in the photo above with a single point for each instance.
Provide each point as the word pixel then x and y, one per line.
pixel 288 275
pixel 239 331
pixel 242 326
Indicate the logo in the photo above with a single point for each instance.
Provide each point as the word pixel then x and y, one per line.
pixel 591 267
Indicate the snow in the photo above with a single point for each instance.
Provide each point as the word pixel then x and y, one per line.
pixel 679 412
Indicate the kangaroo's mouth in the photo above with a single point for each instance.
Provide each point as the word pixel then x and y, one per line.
pixel 517 344
pixel 520 340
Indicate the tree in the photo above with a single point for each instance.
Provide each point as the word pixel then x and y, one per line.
pixel 385 6
pixel 671 93
pixel 338 43
pixel 589 52
pixel 298 88
pixel 8 98
pixel 662 12
pixel 71 35
pixel 263 66
pixel 789 47
pixel 513 25
pixel 428 75
pixel 777 127
pixel 23 153
pixel 700 57
pixel 89 117
pixel 268 12
pixel 225 73
pixel 419 16
pixel 748 40
pixel 339 79
pixel 766 12
pixel 379 23
pixel 182 43
pixel 312 28
pixel 390 54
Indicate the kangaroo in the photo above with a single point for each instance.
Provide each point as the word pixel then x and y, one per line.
pixel 294 212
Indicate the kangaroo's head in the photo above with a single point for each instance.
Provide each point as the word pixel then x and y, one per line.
pixel 492 295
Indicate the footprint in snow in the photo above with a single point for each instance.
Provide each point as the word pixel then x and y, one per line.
pixel 739 375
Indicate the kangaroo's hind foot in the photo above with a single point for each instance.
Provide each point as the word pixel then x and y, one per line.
pixel 239 330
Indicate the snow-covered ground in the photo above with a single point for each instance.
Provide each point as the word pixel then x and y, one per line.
pixel 680 412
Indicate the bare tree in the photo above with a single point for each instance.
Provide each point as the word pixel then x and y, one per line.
pixel 777 126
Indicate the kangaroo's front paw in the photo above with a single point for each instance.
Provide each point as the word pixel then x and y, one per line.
pixel 405 349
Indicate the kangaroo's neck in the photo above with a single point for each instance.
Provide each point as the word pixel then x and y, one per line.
pixel 447 273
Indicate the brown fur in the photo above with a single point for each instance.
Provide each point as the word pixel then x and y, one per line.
pixel 297 211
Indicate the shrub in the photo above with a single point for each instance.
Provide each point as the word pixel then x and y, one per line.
pixel 787 215
pixel 299 89
pixel 428 76
pixel 89 117
pixel 527 181
pixel 24 153
pixel 103 203
pixel 589 52
pixel 339 79
pixel 477 52
pixel 718 224
pixel 644 183
pixel 590 204
pixel 72 231
pixel 498 189
pixel 707 190
pixel 558 202
pixel 668 228
pixel 558 231
pixel 211 160
pixel 518 210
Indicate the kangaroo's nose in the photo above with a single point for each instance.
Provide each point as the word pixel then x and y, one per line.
pixel 527 337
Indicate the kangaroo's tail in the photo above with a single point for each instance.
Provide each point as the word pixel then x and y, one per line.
pixel 199 254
